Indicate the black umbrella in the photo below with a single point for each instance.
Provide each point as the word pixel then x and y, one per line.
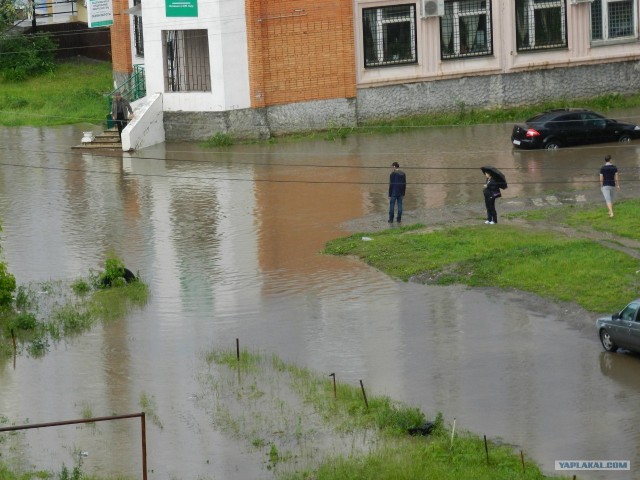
pixel 497 175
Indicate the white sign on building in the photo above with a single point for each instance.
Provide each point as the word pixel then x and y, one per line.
pixel 100 13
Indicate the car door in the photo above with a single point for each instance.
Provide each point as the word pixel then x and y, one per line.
pixel 568 129
pixel 628 328
pixel 634 332
pixel 597 128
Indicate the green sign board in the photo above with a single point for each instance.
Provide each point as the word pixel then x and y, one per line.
pixel 182 8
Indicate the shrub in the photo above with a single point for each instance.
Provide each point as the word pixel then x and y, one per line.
pixel 24 56
pixel 7 286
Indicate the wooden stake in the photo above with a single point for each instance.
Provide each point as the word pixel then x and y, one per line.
pixel 238 349
pixel 364 394
pixel 522 460
pixel 486 448
pixel 334 384
pixel 453 431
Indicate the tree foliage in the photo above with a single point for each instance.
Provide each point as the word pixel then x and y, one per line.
pixel 23 56
pixel 8 14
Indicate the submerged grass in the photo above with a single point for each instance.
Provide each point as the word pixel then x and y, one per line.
pixel 545 263
pixel 384 448
pixel 47 312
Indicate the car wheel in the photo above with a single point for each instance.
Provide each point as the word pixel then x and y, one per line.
pixel 606 341
pixel 624 138
pixel 552 145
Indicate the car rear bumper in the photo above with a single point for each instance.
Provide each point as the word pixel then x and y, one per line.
pixel 525 143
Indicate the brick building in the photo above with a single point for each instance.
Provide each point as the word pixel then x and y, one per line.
pixel 265 67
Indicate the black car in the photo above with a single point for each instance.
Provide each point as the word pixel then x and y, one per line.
pixel 567 127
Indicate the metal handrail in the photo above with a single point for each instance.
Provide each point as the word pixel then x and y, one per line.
pixel 131 89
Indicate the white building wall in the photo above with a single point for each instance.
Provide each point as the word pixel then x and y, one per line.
pixel 225 23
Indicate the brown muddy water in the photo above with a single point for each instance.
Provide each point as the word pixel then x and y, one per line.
pixel 229 243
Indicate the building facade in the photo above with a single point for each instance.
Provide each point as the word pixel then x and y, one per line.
pixel 267 67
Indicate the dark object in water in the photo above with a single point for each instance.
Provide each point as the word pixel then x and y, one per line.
pixel 424 429
pixel 127 275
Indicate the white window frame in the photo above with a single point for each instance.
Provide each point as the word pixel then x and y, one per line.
pixel 380 22
pixel 604 18
pixel 456 16
pixel 531 7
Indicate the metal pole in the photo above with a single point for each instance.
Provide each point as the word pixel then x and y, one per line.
pixel 144 446
pixel 93 420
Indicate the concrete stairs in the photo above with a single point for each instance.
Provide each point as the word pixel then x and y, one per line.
pixel 107 140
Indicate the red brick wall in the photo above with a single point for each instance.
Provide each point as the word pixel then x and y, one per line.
pixel 300 50
pixel 121 39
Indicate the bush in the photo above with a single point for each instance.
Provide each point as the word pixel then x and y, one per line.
pixel 24 56
pixel 7 286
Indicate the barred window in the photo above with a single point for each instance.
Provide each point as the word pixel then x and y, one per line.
pixel 540 24
pixel 465 29
pixel 389 35
pixel 186 54
pixel 612 19
pixel 137 32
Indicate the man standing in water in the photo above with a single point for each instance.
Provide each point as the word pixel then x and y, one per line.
pixel 397 187
pixel 120 112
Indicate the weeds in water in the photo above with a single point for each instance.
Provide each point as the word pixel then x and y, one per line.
pixel 148 405
pixel 298 406
pixel 48 311
pixel 218 140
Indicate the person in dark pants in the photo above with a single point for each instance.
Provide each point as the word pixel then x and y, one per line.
pixel 491 192
pixel 397 187
pixel 120 112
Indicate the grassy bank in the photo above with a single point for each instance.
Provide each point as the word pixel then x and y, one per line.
pixel 549 264
pixel 73 93
pixel 369 439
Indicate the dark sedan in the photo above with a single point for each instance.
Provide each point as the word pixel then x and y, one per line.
pixel 568 127
pixel 622 329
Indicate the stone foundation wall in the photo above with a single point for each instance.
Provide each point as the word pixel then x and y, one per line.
pixel 402 100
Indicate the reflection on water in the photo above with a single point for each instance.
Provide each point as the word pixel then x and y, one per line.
pixel 229 242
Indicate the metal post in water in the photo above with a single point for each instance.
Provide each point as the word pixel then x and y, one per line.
pixel 238 349
pixel 364 394
pixel 143 430
pixel 334 384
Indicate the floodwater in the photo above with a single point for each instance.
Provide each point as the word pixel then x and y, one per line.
pixel 229 244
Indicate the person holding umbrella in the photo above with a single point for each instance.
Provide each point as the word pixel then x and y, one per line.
pixel 495 180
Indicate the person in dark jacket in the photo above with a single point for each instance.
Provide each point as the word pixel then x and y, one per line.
pixel 491 193
pixel 397 187
pixel 121 111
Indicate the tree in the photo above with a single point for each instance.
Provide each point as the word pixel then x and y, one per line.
pixel 8 14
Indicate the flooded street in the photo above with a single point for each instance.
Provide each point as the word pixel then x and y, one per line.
pixel 228 241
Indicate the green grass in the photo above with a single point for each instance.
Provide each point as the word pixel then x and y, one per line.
pixel 73 93
pixel 388 452
pixel 548 264
pixel 626 222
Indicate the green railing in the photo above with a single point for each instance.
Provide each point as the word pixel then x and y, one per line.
pixel 132 89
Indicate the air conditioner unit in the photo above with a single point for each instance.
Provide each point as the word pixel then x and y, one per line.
pixel 576 2
pixel 432 8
